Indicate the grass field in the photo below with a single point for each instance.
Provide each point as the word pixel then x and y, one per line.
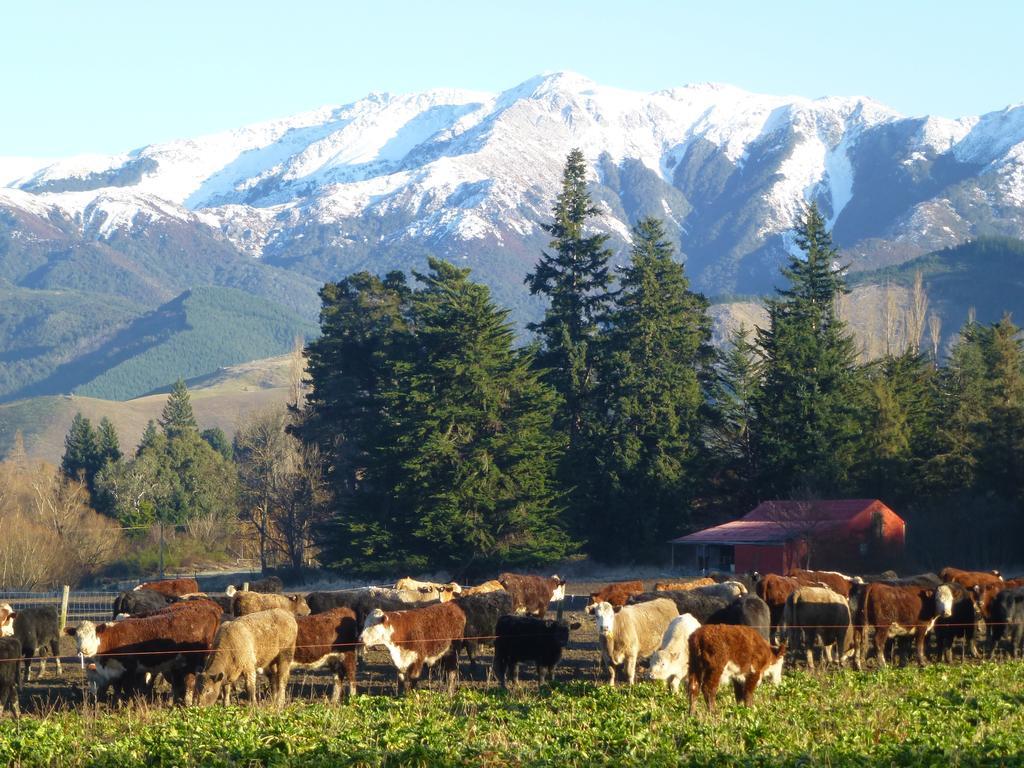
pixel 962 715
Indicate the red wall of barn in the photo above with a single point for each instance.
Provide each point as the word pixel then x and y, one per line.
pixel 757 557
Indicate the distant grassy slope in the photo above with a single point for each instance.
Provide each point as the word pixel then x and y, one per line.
pixel 193 335
pixel 987 274
pixel 222 399
pixel 41 329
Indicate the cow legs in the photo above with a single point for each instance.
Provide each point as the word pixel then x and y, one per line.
pixel 748 688
pixel 920 639
pixel 630 664
pixel 709 685
pixel 450 667
pixel 739 690
pixel 809 652
pixel 881 636
pixel 250 686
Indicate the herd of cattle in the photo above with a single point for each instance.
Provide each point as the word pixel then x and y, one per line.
pixel 702 631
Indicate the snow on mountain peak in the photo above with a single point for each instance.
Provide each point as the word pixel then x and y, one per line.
pixel 468 164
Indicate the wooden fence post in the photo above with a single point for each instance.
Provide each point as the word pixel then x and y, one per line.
pixel 245 587
pixel 64 607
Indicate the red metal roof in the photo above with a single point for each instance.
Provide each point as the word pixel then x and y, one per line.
pixel 776 522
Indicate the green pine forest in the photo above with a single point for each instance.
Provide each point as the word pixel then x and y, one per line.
pixel 426 436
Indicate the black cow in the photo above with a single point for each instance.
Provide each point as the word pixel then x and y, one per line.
pixel 528 638
pixel 362 601
pixel 819 617
pixel 1006 621
pixel 140 601
pixel 747 611
pixel 963 623
pixel 10 659
pixel 701 606
pixel 268 585
pixel 917 580
pixel 482 614
pixel 38 629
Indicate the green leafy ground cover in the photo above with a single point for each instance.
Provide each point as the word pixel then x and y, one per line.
pixel 962 716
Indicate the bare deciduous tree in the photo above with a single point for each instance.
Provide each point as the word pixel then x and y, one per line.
pixel 935 334
pixel 282 487
pixel 917 313
pixel 798 519
pixel 51 535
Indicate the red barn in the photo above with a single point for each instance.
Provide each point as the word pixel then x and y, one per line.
pixel 780 535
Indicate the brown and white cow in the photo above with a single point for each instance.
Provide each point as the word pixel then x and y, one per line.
pixel 174 641
pixel 416 638
pixel 679 586
pixel 429 589
pixel 721 653
pixel 6 620
pixel 985 594
pixel 172 587
pixel 839 583
pixel 899 611
pixel 617 594
pixel 329 640
pixel 971 579
pixel 531 594
pixel 775 590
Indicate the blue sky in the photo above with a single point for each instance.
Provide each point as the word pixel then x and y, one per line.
pixel 111 76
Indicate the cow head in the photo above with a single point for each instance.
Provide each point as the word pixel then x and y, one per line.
pixel 558 593
pixel 944 601
pixel 230 591
pixel 299 605
pixel 604 616
pixel 6 620
pixel 377 629
pixel 87 637
pixel 210 686
pixel 773 673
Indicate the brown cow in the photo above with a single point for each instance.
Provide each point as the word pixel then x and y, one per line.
pixel 617 594
pixel 418 637
pixel 329 639
pixel 174 641
pixel 985 594
pixel 729 653
pixel 837 582
pixel 897 611
pixel 531 594
pixel 774 590
pixel 971 579
pixel 679 586
pixel 172 587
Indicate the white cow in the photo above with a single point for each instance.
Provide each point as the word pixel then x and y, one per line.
pixel 671 662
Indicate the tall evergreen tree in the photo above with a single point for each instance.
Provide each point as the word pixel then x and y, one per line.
pixel 808 420
pixel 216 439
pixel 109 444
pixel 82 457
pixel 177 417
pixel 463 474
pixel 898 427
pixel 574 276
pixel 149 437
pixel 1001 444
pixel 363 321
pixel 962 414
pixel 731 422
pixel 651 390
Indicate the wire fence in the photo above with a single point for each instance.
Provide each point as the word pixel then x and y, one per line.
pixel 81 605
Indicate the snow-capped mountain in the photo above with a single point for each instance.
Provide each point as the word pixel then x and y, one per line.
pixel 378 182
pixel 276 208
